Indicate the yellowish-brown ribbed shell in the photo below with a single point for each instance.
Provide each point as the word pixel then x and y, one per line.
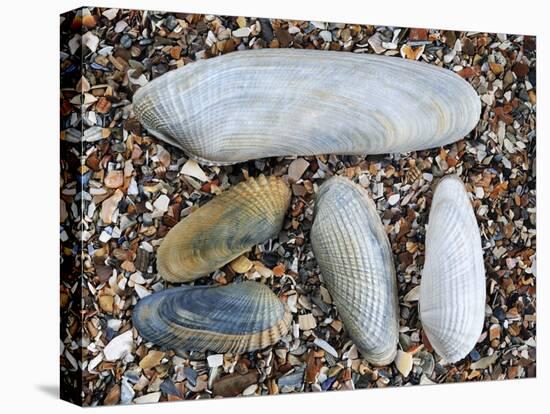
pixel 227 226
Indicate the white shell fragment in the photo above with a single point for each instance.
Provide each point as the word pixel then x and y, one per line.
pixel 354 255
pixel 279 102
pixel 452 289
pixel 119 346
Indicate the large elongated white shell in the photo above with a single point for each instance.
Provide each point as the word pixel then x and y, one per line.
pixel 452 289
pixel 354 255
pixel 277 102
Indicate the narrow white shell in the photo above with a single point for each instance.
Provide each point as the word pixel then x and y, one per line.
pixel 278 102
pixel 355 258
pixel 452 289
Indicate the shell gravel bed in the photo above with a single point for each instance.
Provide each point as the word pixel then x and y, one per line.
pixel 122 190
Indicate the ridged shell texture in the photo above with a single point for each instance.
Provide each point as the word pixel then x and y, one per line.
pixel 236 318
pixel 279 102
pixel 354 255
pixel 452 288
pixel 227 226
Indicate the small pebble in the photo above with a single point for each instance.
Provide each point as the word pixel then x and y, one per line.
pixel 126 41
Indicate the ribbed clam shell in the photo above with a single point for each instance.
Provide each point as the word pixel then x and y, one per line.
pixel 227 226
pixel 354 255
pixel 239 317
pixel 452 288
pixel 278 102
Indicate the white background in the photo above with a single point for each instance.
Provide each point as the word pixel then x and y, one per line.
pixel 29 159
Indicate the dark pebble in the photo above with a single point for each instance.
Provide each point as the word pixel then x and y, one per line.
pixel 197 356
pixel 512 299
pixel 118 147
pixel 267 31
pixel 474 355
pixel 440 369
pixel 133 125
pixel 147 219
pixel 84 179
pixel 168 387
pixel 110 333
pixel 397 380
pixel 270 259
pixel 529 43
pixel 170 22
pixel 123 206
pixel 191 375
pixel 351 160
pixel 317 300
pixel 72 68
pixel 171 175
pixel 468 47
pixel 450 38
pixel 122 53
pixel 516 341
pixel 414 380
pixel 126 41
pixel 362 382
pixel 304 275
pixel 523 95
pixel 499 314
pixel 533 77
pixel 328 383
pixel 284 37
pixel 520 69
pixel 283 237
pixel 131 377
pixel 294 379
pixel 159 70
pixel 259 164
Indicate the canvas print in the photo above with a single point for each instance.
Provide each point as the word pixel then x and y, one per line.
pixel 256 206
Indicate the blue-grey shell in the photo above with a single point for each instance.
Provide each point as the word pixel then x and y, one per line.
pixel 240 317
